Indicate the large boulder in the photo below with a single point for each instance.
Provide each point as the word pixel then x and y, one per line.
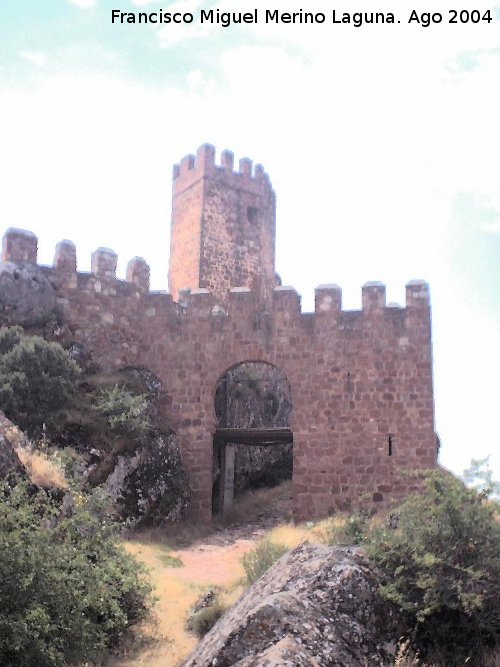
pixel 316 607
pixel 150 485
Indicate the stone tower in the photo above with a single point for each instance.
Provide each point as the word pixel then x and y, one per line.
pixel 223 226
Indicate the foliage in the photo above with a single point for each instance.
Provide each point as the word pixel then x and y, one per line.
pixel 67 592
pixel 350 531
pixel 206 618
pixel 37 381
pixel 257 561
pixel 442 568
pixel 123 411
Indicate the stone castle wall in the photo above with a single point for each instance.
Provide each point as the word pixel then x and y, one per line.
pixel 361 381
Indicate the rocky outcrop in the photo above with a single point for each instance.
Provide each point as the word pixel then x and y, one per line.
pixel 150 486
pixel 286 653
pixel 316 607
pixel 13 433
pixel 9 461
pixel 27 296
pixel 10 438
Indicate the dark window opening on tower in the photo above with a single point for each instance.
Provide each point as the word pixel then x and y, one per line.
pixel 252 214
pixel 390 444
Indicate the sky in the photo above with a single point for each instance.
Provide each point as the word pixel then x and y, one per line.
pixel 382 143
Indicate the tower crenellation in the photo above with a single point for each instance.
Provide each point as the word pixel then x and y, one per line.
pixel 223 226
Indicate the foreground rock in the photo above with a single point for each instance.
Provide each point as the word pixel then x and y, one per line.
pixel 10 464
pixel 10 437
pixel 317 607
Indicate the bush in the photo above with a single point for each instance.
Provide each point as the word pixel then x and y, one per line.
pixel 351 530
pixel 206 618
pixel 442 569
pixel 68 593
pixel 37 381
pixel 123 411
pixel 260 559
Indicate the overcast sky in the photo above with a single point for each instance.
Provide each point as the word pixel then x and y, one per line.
pixel 382 143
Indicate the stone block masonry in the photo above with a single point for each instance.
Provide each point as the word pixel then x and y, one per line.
pixel 361 381
pixel 223 226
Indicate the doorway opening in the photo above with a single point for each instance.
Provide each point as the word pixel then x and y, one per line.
pixel 253 442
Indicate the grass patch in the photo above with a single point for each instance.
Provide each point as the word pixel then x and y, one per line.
pixel 42 470
pixel 167 560
pixel 206 618
pixel 261 558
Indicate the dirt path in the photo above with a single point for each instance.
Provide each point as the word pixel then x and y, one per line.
pixel 180 576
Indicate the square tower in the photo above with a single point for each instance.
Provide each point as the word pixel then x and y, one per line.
pixel 223 226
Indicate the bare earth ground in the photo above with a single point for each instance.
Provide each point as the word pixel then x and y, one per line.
pixel 186 560
pixel 207 561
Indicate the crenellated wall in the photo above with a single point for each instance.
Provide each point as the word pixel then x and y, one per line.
pixel 361 381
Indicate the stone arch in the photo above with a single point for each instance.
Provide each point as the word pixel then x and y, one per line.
pixel 252 445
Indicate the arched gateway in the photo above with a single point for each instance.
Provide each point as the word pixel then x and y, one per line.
pixel 361 381
pixel 253 437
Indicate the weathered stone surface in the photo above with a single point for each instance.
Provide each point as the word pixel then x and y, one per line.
pixel 27 296
pixel 150 486
pixel 317 606
pixel 13 433
pixel 10 437
pixel 286 653
pixel 9 460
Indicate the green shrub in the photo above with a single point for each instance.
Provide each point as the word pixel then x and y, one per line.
pixel 68 593
pixel 206 618
pixel 123 410
pixel 442 569
pixel 351 531
pixel 37 381
pixel 257 561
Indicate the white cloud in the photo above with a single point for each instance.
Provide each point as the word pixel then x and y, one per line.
pixel 84 4
pixel 36 57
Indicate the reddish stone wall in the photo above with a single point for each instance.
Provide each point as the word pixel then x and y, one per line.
pixel 223 226
pixel 356 377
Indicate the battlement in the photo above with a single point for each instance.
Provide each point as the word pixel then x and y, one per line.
pixel 202 165
pixel 286 299
pixel 20 247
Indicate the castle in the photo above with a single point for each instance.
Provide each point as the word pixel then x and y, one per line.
pixel 361 381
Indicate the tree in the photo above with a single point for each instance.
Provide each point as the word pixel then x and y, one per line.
pixel 68 593
pixel 442 568
pixel 38 381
